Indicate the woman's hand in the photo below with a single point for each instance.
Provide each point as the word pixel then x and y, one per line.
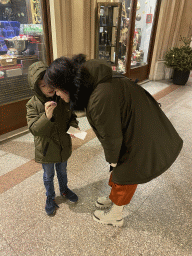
pixel 112 165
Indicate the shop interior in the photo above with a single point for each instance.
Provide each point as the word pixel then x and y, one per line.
pixel 22 40
pixel 21 36
pixel 113 27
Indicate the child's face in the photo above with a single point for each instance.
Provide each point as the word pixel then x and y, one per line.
pixel 63 94
pixel 49 92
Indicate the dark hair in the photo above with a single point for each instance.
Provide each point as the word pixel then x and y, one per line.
pixel 63 74
pixel 70 75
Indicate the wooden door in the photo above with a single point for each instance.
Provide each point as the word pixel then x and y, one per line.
pixel 137 38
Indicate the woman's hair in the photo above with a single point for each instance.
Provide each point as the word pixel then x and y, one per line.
pixel 67 74
pixel 62 73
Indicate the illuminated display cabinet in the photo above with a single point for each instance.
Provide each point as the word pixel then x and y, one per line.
pixel 108 20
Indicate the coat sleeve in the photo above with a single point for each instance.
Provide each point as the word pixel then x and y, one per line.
pixel 105 118
pixel 73 121
pixel 38 124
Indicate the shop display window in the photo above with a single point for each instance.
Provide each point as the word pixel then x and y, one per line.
pixel 21 44
pixel 114 33
pixel 141 38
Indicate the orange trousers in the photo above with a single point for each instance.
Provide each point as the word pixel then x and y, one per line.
pixel 121 194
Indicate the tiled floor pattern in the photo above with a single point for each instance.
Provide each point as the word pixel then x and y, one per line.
pixel 158 220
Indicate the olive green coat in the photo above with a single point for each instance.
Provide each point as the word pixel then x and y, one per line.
pixel 133 130
pixel 52 143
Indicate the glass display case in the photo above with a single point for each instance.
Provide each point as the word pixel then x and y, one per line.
pixel 108 21
pixel 22 43
pixel 24 39
pixel 124 35
pixel 135 34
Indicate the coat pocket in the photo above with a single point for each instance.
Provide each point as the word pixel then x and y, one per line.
pixel 66 141
pixel 45 149
pixel 41 144
pixel 37 142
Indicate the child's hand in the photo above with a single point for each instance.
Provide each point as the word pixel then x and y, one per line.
pixel 49 107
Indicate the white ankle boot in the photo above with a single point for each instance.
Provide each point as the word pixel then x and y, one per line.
pixel 103 202
pixel 114 216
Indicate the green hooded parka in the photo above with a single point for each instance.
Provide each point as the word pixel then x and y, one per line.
pixel 52 143
pixel 133 130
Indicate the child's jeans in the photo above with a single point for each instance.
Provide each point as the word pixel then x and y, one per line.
pixel 48 177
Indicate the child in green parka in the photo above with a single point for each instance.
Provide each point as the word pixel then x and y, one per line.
pixel 49 117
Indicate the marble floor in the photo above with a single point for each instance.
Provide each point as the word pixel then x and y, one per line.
pixel 158 220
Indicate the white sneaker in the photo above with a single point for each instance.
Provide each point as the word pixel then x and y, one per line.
pixel 103 202
pixel 114 216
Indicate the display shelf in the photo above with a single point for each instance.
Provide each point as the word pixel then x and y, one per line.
pixel 106 45
pixel 108 21
pixel 107 26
